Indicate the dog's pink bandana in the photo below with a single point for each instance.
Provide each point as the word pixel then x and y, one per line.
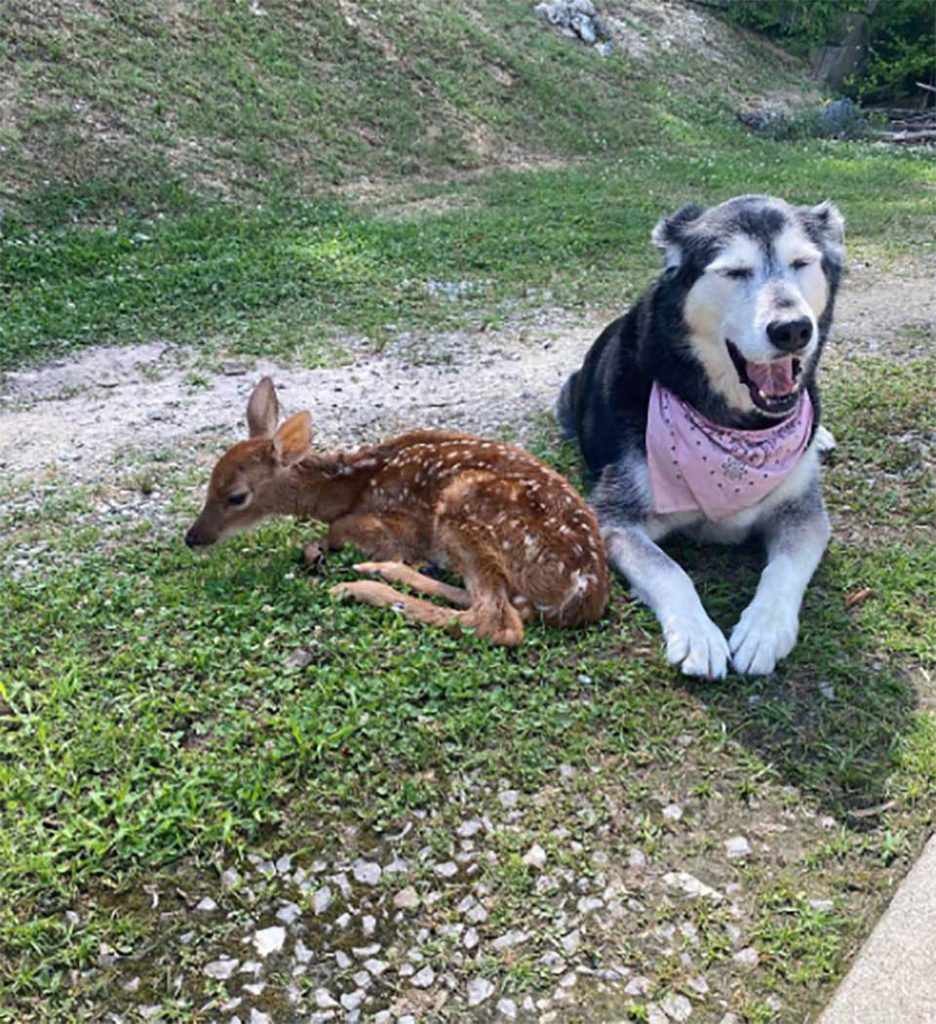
pixel 696 465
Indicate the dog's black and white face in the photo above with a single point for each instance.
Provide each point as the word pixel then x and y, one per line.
pixel 757 279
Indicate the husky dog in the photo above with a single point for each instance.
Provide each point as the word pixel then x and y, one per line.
pixel 699 410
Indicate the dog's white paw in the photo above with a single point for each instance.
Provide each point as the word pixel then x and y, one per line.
pixel 696 646
pixel 763 636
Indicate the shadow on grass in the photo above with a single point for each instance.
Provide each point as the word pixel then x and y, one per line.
pixel 831 720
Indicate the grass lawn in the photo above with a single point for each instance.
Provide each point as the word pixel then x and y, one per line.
pixel 152 728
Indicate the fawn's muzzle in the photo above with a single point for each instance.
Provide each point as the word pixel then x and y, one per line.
pixel 194 539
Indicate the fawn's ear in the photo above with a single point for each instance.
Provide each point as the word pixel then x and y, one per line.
pixel 263 409
pixel 293 439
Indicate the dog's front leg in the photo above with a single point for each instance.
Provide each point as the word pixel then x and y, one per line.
pixel 766 631
pixel 693 641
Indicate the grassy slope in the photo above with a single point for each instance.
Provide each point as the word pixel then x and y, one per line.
pixel 167 176
pixel 185 165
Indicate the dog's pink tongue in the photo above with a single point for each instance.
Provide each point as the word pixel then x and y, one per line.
pixel 774 379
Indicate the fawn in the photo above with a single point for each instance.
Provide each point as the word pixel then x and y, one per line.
pixel 521 538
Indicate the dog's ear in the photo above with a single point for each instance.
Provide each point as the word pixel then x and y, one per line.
pixel 669 232
pixel 825 226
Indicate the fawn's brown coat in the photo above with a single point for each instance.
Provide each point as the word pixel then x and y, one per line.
pixel 519 535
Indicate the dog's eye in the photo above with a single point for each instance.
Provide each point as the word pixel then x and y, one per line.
pixel 800 264
pixel 739 273
pixel 237 499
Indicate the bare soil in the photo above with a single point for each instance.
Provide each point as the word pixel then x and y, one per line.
pixel 77 414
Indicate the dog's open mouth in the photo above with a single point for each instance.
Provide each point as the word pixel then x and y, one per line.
pixel 774 386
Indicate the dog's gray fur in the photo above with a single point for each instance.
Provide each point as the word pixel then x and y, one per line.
pixel 729 272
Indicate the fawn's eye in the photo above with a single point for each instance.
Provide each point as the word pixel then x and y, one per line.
pixel 237 499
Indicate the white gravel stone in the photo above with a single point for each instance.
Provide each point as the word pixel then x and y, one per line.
pixel 477 915
pixel 325 999
pixel 352 1000
pixel 302 952
pixel 638 986
pixel 229 879
pixel 206 904
pixel 288 913
pixel 698 984
pixel 587 904
pixel 535 857
pixel 508 798
pixel 507 1008
pixel 737 847
pixel 406 899
pixel 672 812
pixel 423 978
pixel 221 969
pixel 747 957
pixel 341 880
pixel 554 962
pixel 398 866
pixel 368 925
pixel 509 939
pixel 259 1017
pixel 361 978
pixel 471 939
pixel 367 872
pixel 376 967
pixel 284 864
pixel 255 988
pixel 690 885
pixel 322 899
pixel 468 829
pixel 479 989
pixel 269 940
pixel 677 1007
pixel 342 959
pixel 570 943
pixel 448 869
pixel 655 1015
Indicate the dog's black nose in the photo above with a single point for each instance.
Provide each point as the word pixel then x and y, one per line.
pixel 790 335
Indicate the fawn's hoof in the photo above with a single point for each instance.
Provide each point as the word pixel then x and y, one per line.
pixel 313 554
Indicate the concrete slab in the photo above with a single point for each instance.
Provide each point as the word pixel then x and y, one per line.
pixel 893 980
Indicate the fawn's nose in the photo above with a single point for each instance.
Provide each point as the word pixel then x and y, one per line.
pixel 192 539
pixel 790 335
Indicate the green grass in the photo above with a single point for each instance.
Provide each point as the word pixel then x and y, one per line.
pixel 168 172
pixel 148 715
pixel 289 278
pixel 217 100
pixel 149 724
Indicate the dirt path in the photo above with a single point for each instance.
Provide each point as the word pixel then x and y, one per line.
pixel 78 414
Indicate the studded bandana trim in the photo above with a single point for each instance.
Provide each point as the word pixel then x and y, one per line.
pixel 697 465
